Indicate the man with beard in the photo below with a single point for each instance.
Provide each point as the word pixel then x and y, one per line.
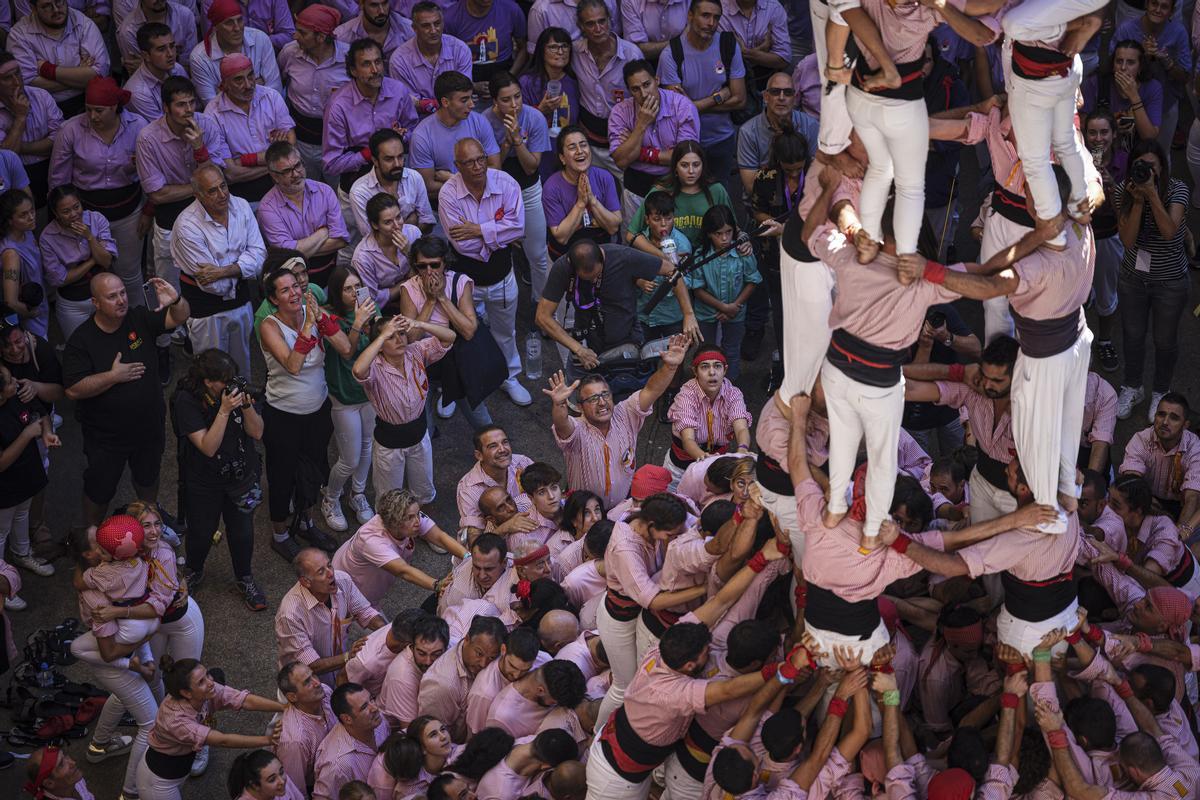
pixel 447 682
pixel 59 50
pixel 178 18
pixel 377 22
pixel 982 389
pixel 496 465
pixel 1168 455
pixel 398 697
pixel 159 51
pixel 388 175
pixel 475 576
pixel 229 35
pixel 304 723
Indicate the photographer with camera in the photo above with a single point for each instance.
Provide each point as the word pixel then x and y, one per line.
pixel 216 421
pixel 1154 281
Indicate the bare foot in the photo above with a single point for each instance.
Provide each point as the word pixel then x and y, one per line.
pixel 1082 212
pixel 831 520
pixel 886 78
pixel 867 247
pixel 1068 502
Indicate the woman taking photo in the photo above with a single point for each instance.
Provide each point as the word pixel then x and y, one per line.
pixel 577 208
pixel 353 416
pixel 408 762
pixel 217 424
pixel 94 152
pixel 381 259
pixel 180 728
pixel 75 246
pixel 693 188
pixel 258 775
pixel 296 416
pixel 21 263
pixel 1154 281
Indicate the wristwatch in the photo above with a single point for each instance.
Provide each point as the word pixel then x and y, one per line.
pixel 716 96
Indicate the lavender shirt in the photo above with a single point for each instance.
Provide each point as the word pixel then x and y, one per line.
pixel 563 14
pixel 62 250
pixel 768 17
pixel 283 222
pixel 600 90
pixel 44 120
pixel 180 20
pixel 410 67
pixel 704 74
pixel 147 92
pixel 558 195
pixel 532 125
pixel 350 119
pixel 310 86
pixel 206 63
pixel 273 17
pixel 12 171
pixel 31 272
pixel 30 45
pixel 677 120
pixel 81 157
pixel 399 31
pixel 500 213
pixel 166 159
pixel 378 272
pixel 650 21
pixel 250 132
pixel 433 143
pixel 495 30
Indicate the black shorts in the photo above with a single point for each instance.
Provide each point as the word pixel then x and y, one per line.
pixel 106 463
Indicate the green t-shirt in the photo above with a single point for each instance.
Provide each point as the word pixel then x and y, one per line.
pixel 689 211
pixel 341 381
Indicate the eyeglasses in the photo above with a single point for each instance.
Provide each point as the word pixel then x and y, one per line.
pixel 421 266
pixel 472 162
pixel 777 91
pixel 294 169
pixel 557 47
pixel 596 398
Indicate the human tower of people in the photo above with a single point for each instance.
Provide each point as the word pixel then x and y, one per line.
pixel 918 573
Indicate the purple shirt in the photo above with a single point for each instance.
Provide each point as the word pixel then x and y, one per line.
pixel 250 132
pixel 283 222
pixel 206 58
pixel 495 30
pixel 180 20
pixel 44 119
pixel 649 21
pixel 399 31
pixel 433 143
pixel 147 92
pixel 272 17
pixel 12 171
pixel 703 74
pixel 600 90
pixel 563 14
pixel 166 159
pixel 677 120
pixel 81 157
pixel 350 119
pixel 31 272
pixel 532 125
pixel 533 89
pixel 558 195
pixel 378 272
pixel 768 17
pixel 29 43
pixel 310 86
pixel 62 250
pixel 500 213
pixel 414 70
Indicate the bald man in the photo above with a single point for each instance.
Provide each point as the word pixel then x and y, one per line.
pixel 557 629
pixel 567 781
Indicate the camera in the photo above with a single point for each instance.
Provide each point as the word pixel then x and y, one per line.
pixel 236 384
pixel 1141 172
pixel 936 318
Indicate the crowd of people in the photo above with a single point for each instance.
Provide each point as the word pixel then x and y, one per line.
pixel 919 569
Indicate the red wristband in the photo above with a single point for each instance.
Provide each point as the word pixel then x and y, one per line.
pixel 1124 562
pixel 935 272
pixel 785 547
pixel 1057 739
pixel 48 70
pixel 366 154
pixel 200 154
pixel 886 669
pixel 737 516
pixel 148 209
pixel 1074 637
pixel 1094 635
pixel 957 372
pixel 901 544
pixel 838 707
pixel 808 656
pixel 327 325
pixel 1124 690
pixel 787 672
pixel 1009 700
pixel 249 159
pixel 1144 645
pixel 305 344
pixel 1013 669
pixel 801 595
pixel 645 155
pixel 768 671
pixel 757 563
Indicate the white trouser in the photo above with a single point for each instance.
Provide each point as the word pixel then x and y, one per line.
pixel 1043 116
pixel 988 501
pixel 835 127
pixel 153 787
pixel 164 267
pixel 1166 127
pixel 128 263
pixel 1025 635
pixel 1047 415
pixel 999 232
pixel 129 693
pixel 353 433
pixel 14 522
pixel 858 411
pixel 603 782
pixel 88 649
pixel 620 644
pixel 226 330
pixel 133 631
pixel 73 313
pixel 680 785
pixel 807 291
pixel 675 470
pixel 1046 20
pixel 535 239
pixel 645 639
pixel 183 638
pixel 497 306
pixel 896 136
pixel 784 508
pixel 866 648
pixel 400 466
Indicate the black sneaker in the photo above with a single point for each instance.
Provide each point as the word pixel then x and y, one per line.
pixel 288 549
pixel 194 577
pixel 309 532
pixel 752 344
pixel 252 596
pixel 1106 354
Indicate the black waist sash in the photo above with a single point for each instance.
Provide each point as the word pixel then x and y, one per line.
pixel 308 129
pixel 512 165
pixel 490 272
pixel 680 457
pixel 639 182
pixel 863 361
pixel 657 622
pixel 792 240
pixel 81 289
pixel 1042 338
pixel 205 304
pixel 169 767
pixel 252 190
pixel 1034 601
pixel 1036 63
pixel 629 754
pixel 400 436
pixel 166 213
pixel 912 83
pixel 620 607
pixel 695 750
pixel 177 613
pixel 993 471
pixel 347 179
pixel 827 611
pixel 1011 206
pixel 773 476
pixel 115 204
pixel 595 128
pixel 1183 572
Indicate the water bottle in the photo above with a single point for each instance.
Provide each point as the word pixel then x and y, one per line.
pixel 533 356
pixel 45 676
pixel 587 218
pixel 483 51
pixel 554 92
pixel 669 250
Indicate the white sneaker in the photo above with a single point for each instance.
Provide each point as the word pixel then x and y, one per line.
pixel 200 762
pixel 15 603
pixel 516 392
pixel 362 507
pixel 1127 398
pixel 445 410
pixel 332 511
pixel 34 564
pixel 1153 409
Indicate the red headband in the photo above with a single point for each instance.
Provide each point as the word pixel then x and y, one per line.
pixel 319 18
pixel 234 63
pixel 952 784
pixel 532 556
pixel 222 10
pixel 105 92
pixel 968 635
pixel 709 355
pixel 49 761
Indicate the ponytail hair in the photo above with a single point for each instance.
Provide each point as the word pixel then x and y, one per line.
pixel 246 771
pixel 177 675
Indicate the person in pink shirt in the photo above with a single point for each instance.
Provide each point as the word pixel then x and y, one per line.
pixel 475 576
pixel 556 630
pixel 518 655
pixel 519 773
pixel 349 748
pixel 124 579
pixel 181 727
pixel 542 483
pixel 600 448
pixel 398 697
pixel 539 699
pixel 495 465
pixel 380 551
pixel 1152 541
pixel 304 723
pixel 446 684
pixel 707 416
pixel 53 774
pixel 580 511
pixel 589 579
pixel 258 775
pixel 941 667
pixel 409 761
pixel 1168 455
pixel 368 665
pixel 1097 517
pixel 1099 423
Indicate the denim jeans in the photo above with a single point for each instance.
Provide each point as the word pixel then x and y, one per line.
pixel 1140 299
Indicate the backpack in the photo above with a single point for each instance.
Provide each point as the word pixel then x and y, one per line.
pixel 727 43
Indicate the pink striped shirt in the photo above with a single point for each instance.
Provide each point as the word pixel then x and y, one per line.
pixel 118 580
pixel 501 782
pixel 1169 473
pixel 514 712
pixel 601 463
pixel 746 606
pixel 472 485
pixel 570 555
pixel 660 702
pixel 365 554
pixel 398 392
pixel 368 666
pixel 711 420
pixel 388 788
pixel 299 738
pixel 484 691
pixel 397 697
pixel 903 27
pixel 1099 410
pixel 995 130
pixel 774 429
pixel 578 653
pixel 993 436
pixel 686 563
pixel 1098 767
pixel 941 683
pixel 463 587
pixel 632 565
pixel 583 583
pixel 180 729
pixel 1113 527
pixel 443 692
pixel 1157 540
pixel 341 758
pixel 459 617
pixel 1056 284
pixel 1025 553
pixel 692 484
pixel 307 630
